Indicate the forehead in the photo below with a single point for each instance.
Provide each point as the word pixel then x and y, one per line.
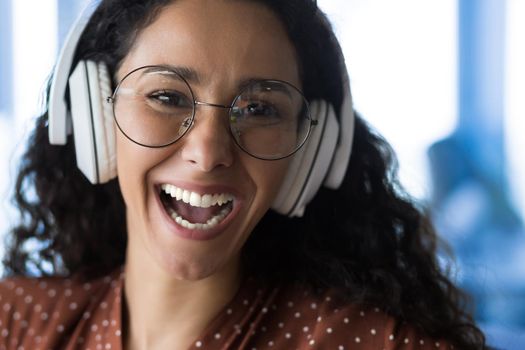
pixel 220 39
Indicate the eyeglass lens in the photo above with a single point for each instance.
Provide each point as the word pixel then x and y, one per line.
pixel 155 106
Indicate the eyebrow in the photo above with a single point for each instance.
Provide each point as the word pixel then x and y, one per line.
pixel 192 76
pixel 189 74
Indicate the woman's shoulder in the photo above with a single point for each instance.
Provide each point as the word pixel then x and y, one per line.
pixel 294 317
pixel 46 306
pixel 328 320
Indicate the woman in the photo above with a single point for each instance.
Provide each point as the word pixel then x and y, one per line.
pixel 181 250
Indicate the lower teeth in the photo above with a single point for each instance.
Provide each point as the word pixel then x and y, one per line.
pixel 199 226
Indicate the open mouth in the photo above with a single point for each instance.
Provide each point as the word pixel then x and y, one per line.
pixel 195 211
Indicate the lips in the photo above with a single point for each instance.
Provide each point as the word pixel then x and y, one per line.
pixel 193 210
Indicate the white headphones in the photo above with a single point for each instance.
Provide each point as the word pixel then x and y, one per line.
pixel 322 160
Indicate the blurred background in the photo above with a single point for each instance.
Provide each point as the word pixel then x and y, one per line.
pixel 442 80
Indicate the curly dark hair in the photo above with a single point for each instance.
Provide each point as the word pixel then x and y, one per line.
pixel 368 239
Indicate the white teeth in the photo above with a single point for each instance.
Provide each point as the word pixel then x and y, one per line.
pixel 195 199
pixel 199 226
pixel 186 196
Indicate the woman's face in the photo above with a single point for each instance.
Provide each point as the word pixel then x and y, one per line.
pixel 224 43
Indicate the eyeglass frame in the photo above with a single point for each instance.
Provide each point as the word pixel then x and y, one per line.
pixel 112 99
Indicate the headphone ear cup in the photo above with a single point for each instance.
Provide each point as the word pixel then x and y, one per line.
pixel 93 127
pixel 310 164
pixel 107 144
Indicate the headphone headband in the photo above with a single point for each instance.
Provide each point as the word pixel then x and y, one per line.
pixel 59 115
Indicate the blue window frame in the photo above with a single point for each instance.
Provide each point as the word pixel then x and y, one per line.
pixel 6 58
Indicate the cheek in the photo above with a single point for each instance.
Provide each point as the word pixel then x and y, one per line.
pixel 133 164
pixel 269 179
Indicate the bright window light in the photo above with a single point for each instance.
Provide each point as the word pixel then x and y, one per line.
pixel 402 60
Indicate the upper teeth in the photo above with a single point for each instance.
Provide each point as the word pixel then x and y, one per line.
pixel 196 199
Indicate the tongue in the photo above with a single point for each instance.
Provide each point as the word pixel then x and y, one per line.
pixel 193 214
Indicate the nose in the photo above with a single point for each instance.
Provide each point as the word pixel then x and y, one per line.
pixel 208 144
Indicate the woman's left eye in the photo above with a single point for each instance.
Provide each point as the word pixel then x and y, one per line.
pixel 261 109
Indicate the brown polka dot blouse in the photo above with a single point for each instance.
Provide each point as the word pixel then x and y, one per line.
pixel 60 313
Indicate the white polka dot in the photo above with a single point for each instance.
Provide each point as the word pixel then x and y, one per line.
pixel 108 346
pixel 5 333
pixel 328 299
pixel 346 320
pixel 297 315
pixel 42 285
pixel 118 333
pixel 68 292
pixel 391 337
pixel 245 302
pixel 329 330
pixel 98 337
pixel 290 304
pixel 87 286
pixel 357 339
pixel 28 299
pixel 362 313
pixel 229 311
pixel 270 343
pixel 104 305
pixel 341 347
pixel 105 323
pixel 217 336
pixel 280 325
pixel 406 341
pixel 24 324
pixel 86 315
pixel 421 342
pixel 44 316
pixel 19 291
pixel 264 310
pixel 17 315
pixel 319 318
pixel 7 307
pixel 305 329
pixel 94 328
pixel 60 328
pixel 376 309
pixel 312 342
pixel 313 306
pixel 37 308
pixel 373 331
pixel 437 344
pixel 287 335
pixel 336 310
pixel 52 293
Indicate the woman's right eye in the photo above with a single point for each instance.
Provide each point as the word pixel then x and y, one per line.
pixel 169 98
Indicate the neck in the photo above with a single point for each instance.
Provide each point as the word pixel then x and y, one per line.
pixel 162 312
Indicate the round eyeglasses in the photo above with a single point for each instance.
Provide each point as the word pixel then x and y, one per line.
pixel 154 106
